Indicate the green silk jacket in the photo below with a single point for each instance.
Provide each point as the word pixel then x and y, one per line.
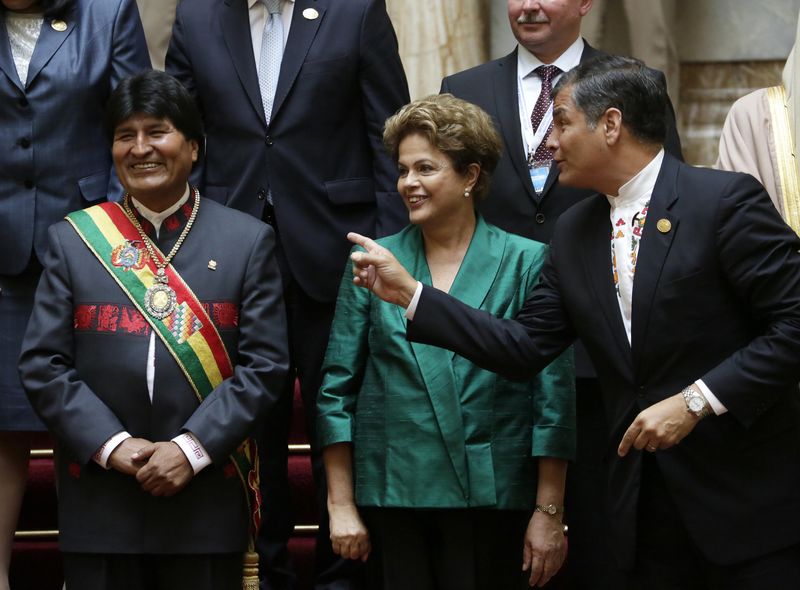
pixel 430 429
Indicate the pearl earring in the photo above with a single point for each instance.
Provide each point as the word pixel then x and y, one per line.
pixel 466 193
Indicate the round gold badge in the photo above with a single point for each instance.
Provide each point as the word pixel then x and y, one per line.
pixel 664 226
pixel 59 25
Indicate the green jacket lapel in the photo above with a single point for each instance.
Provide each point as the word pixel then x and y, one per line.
pixel 472 283
pixel 435 365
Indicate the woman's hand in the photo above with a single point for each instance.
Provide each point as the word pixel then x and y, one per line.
pixel 545 548
pixel 349 536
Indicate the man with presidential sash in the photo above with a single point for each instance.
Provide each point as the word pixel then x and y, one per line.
pixel 157 341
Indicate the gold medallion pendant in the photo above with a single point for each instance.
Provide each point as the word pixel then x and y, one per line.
pixel 160 299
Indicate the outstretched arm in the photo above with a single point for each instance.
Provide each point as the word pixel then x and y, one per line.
pixel 517 349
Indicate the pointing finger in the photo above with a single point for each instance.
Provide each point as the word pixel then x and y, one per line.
pixel 363 241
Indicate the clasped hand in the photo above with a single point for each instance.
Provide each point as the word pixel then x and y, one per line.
pixel 160 468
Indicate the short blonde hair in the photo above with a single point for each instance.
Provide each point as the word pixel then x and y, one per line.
pixel 459 129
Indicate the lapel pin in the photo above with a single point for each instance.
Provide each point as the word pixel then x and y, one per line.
pixel 664 226
pixel 310 14
pixel 212 265
pixel 59 25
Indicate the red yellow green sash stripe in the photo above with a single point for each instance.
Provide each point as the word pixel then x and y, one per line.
pixel 201 355
pixel 188 333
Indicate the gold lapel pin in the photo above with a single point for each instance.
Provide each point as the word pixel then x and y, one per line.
pixel 664 226
pixel 59 25
pixel 310 14
pixel 212 265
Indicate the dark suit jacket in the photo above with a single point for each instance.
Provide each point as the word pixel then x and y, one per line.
pixel 321 155
pixel 512 204
pixel 83 366
pixel 56 157
pixel 716 297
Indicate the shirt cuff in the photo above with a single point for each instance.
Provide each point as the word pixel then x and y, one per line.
pixel 412 307
pixel 717 406
pixel 195 453
pixel 104 452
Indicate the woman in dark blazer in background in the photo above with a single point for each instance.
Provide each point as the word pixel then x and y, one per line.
pixel 59 61
pixel 457 473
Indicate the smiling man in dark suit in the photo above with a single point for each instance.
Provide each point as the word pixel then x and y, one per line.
pixel 294 94
pixel 692 318
pixel 526 198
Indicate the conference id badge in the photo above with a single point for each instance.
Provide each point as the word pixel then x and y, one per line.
pixel 539 176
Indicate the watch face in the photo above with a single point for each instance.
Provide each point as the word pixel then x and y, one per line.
pixel 696 404
pixel 551 509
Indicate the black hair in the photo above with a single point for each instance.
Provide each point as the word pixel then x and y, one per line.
pixel 156 94
pixel 622 83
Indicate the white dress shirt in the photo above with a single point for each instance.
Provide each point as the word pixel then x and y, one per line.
pixel 529 85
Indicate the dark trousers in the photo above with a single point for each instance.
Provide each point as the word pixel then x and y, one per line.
pixel 446 549
pixel 309 324
pixel 668 559
pixel 590 562
pixel 93 571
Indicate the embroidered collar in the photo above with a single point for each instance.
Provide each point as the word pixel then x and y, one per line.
pixel 172 223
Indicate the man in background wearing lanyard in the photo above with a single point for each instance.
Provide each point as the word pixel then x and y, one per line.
pixel 526 199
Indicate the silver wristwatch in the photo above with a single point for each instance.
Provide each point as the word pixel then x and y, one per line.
pixel 696 403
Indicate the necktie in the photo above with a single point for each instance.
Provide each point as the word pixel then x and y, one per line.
pixel 542 155
pixel 269 66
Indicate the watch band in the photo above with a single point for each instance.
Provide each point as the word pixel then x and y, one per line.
pixel 549 509
pixel 690 395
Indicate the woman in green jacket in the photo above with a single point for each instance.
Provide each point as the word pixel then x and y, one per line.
pixel 456 472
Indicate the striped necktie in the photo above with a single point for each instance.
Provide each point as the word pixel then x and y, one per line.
pixel 546 73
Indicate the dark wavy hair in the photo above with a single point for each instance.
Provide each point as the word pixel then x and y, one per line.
pixel 54 8
pixel 622 83
pixel 156 94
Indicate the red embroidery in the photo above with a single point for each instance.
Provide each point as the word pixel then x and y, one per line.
pixel 133 322
pixel 84 317
pixel 107 318
pixel 127 319
pixel 225 315
pixel 171 223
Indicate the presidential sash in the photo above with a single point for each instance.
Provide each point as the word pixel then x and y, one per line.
pixel 784 153
pixel 187 332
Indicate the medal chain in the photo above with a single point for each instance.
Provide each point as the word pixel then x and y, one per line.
pixel 161 275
